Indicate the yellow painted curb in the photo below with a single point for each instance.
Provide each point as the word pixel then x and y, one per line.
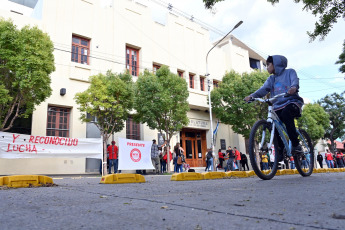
pixel 213 175
pixel 336 170
pixel 186 176
pixel 20 181
pixel 342 169
pixel 266 171
pixel 316 170
pixel 305 170
pixel 322 170
pixel 251 173
pixel 240 173
pixel 331 170
pixel 289 171
pixel 281 172
pixel 122 178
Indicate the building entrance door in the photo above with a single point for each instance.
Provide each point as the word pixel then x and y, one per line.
pixel 194 144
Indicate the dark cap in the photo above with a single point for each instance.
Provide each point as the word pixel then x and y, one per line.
pixel 113 142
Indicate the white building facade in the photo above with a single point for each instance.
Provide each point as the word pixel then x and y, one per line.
pixel 93 36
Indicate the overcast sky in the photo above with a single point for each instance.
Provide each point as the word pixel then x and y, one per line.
pixel 279 29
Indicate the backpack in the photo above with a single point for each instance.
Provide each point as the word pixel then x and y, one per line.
pixel 209 155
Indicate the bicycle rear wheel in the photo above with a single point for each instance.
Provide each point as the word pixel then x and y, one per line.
pixel 259 140
pixel 304 167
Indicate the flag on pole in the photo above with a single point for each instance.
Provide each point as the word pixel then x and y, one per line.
pixel 216 129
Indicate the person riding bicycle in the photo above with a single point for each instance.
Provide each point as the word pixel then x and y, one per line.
pixel 283 80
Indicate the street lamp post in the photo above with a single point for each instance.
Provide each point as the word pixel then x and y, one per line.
pixel 209 89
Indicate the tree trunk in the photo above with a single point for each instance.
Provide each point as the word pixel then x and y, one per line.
pixel 168 136
pixel 105 155
pixel 332 145
pixel 332 140
pixel 168 156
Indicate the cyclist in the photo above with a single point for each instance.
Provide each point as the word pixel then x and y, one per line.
pixel 283 80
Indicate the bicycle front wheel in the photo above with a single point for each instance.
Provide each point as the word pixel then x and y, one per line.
pixel 259 146
pixel 305 161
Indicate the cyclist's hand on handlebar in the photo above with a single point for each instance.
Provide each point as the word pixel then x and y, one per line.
pixel 248 99
pixel 292 90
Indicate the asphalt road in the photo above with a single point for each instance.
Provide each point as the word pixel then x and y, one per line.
pixel 285 202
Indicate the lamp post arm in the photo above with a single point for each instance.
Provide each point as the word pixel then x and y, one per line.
pixel 237 25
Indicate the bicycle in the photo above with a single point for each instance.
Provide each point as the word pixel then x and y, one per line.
pixel 263 140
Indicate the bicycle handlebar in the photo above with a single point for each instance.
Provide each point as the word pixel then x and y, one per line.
pixel 270 100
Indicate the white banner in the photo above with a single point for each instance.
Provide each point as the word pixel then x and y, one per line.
pixel 134 154
pixel 13 145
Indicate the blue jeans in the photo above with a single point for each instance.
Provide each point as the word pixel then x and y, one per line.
pixel 209 163
pixel 292 165
pixel 230 164
pixel 179 168
pixel 304 164
pixel 264 165
pixel 163 166
pixel 330 164
pixel 175 164
pixel 111 163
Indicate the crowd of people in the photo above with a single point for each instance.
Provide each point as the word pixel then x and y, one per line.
pixel 231 160
pixel 336 160
pixel 234 159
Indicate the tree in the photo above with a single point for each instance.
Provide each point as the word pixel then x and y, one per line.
pixel 26 61
pixel 329 11
pixel 315 121
pixel 161 102
pixel 109 99
pixel 334 105
pixel 228 104
pixel 342 60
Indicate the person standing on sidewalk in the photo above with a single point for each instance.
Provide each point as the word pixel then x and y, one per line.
pixel 238 158
pixel 221 158
pixel 155 156
pixel 329 159
pixel 320 159
pixel 230 163
pixel 209 160
pixel 244 161
pixel 112 151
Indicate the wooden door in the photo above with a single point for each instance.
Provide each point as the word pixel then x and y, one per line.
pixel 194 144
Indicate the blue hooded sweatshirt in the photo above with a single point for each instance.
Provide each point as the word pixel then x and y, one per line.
pixel 281 82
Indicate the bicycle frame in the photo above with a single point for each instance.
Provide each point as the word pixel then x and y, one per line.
pixel 277 125
pixel 273 118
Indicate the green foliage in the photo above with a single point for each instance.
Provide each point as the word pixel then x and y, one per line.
pixel 109 98
pixel 329 11
pixel 161 101
pixel 228 104
pixel 26 61
pixel 210 3
pixel 342 60
pixel 315 121
pixel 334 105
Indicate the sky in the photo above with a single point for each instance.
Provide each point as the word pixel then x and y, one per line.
pixel 279 29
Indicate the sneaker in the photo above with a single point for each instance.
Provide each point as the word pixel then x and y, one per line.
pixel 296 149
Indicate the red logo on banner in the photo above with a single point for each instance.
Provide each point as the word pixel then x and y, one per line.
pixel 135 155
